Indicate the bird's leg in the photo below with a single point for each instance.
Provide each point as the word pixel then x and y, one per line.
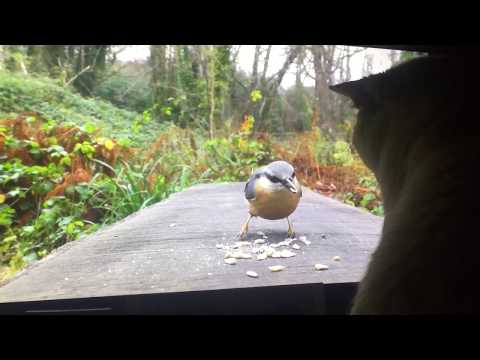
pixel 244 231
pixel 290 232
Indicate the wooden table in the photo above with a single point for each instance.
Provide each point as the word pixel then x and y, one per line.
pixel 163 259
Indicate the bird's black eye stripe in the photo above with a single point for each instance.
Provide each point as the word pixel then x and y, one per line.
pixel 273 179
pixel 293 175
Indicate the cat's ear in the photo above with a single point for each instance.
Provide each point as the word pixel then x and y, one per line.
pixel 359 91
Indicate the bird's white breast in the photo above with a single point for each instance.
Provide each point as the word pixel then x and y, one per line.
pixel 273 201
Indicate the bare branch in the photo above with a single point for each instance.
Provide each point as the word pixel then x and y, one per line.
pixel 265 64
pixel 76 76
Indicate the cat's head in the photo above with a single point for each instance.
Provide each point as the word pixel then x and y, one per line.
pixel 396 106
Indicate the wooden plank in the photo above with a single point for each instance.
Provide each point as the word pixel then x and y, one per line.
pixel 146 254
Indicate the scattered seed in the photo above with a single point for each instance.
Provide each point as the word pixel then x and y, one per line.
pixel 321 267
pixel 209 274
pixel 242 243
pixel 230 261
pixel 296 247
pixel 336 258
pixel 269 251
pixel 304 240
pixel 276 268
pixel 323 236
pixel 261 256
pixel 172 225
pixel 219 246
pixel 259 241
pixel 66 278
pixel 287 253
pixel 252 274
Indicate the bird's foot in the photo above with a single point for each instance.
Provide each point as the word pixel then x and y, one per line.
pixel 243 233
pixel 291 233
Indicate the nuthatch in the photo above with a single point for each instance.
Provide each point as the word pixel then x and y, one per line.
pixel 273 193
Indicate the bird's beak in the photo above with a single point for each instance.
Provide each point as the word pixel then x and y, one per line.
pixel 290 185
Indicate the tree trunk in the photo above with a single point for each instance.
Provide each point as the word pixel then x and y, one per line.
pixel 158 64
pixel 324 67
pixel 210 57
pixel 270 92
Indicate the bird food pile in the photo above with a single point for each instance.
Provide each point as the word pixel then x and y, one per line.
pixel 260 250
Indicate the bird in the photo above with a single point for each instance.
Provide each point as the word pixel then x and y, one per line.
pixel 273 192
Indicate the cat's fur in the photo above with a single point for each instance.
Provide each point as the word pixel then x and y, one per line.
pixel 418 130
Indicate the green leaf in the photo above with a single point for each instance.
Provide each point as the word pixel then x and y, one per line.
pixel 6 215
pixel 90 127
pixel 256 95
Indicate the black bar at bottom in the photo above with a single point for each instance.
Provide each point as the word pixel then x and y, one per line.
pixel 307 299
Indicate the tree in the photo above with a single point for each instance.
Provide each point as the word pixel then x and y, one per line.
pixel 330 64
pixel 159 73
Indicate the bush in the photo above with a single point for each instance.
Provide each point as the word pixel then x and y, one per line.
pixel 126 92
pixel 60 180
pixel 43 167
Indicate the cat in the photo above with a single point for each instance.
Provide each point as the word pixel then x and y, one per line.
pixel 418 130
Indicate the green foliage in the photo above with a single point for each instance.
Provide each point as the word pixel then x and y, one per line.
pixel 233 158
pixel 256 95
pixel 126 92
pixel 332 152
pixel 39 94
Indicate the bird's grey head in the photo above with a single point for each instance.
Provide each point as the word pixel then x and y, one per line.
pixel 281 172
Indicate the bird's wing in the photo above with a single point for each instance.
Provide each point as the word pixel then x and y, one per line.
pixel 250 186
pixel 250 189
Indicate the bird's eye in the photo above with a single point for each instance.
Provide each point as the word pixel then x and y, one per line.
pixel 293 175
pixel 274 179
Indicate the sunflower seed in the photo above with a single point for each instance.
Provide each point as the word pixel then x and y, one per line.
pixel 240 255
pixel 269 251
pixel 252 274
pixel 276 268
pixel 287 253
pixel 243 243
pixel 336 258
pixel 230 261
pixel 261 256
pixel 219 246
pixel 304 240
pixel 321 267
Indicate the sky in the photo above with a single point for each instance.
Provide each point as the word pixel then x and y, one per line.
pixel 381 61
